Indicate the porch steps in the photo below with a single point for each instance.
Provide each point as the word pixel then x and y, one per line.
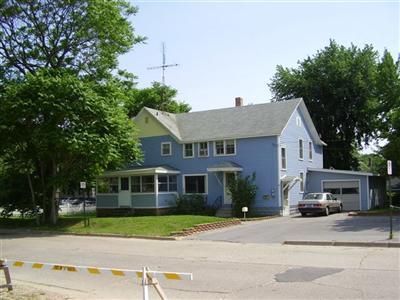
pixel 224 212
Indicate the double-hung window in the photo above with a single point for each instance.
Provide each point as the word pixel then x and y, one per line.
pixel 166 149
pixel 142 184
pixel 225 147
pixel 167 183
pixel 203 149
pixel 195 184
pixel 188 150
pixel 310 150
pixel 301 149
pixel 107 185
pixel 283 158
pixel 301 175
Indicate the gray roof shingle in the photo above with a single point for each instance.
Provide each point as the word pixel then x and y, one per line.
pixel 267 119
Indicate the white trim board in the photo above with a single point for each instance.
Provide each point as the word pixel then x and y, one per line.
pixel 340 172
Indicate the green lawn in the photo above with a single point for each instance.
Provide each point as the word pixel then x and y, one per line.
pixel 148 225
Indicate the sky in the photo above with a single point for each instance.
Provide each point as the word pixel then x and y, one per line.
pixel 227 49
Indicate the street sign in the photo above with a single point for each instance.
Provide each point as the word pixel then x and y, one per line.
pixel 389 167
pixel 83 184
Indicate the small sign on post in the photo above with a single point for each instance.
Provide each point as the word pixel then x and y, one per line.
pixel 83 184
pixel 245 209
pixel 389 167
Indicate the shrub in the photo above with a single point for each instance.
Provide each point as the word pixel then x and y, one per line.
pixel 243 192
pixel 194 204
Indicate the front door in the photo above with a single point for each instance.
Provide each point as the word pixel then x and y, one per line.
pixel 124 195
pixel 285 199
pixel 228 178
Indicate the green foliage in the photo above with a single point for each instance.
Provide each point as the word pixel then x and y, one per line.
pixel 194 204
pixel 60 129
pixel 340 88
pixel 85 36
pixel 374 163
pixel 158 96
pixel 243 192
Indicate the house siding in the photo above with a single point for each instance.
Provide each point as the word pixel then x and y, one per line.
pixel 106 201
pixel 167 200
pixel 290 139
pixel 257 155
pixel 143 201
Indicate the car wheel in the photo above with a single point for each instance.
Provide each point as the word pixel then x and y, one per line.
pixel 327 211
pixel 303 214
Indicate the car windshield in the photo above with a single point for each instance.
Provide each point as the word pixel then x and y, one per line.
pixel 313 196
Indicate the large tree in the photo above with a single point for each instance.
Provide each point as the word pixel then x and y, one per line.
pixel 338 85
pixel 57 129
pixel 85 36
pixel 388 88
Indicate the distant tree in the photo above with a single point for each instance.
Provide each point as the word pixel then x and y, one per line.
pixel 158 96
pixel 374 163
pixel 339 87
pixel 57 129
pixel 85 36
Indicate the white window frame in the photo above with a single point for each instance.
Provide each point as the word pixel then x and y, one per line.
pixel 155 185
pixel 281 157
pixel 198 149
pixel 189 175
pixel 302 182
pixel 184 152
pixel 168 182
pixel 170 148
pixel 310 151
pixel 298 121
pixel 224 141
pixel 302 149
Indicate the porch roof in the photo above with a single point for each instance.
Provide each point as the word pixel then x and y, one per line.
pixel 289 178
pixel 226 166
pixel 142 170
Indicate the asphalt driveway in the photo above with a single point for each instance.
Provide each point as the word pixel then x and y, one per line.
pixel 335 227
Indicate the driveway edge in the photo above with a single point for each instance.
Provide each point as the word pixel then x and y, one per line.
pixel 344 244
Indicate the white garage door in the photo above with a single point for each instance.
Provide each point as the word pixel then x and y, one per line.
pixel 347 191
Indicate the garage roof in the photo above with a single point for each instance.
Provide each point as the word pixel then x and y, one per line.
pixel 340 171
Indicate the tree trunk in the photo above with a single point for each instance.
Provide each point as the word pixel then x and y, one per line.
pixel 33 199
pixel 53 200
pixel 44 194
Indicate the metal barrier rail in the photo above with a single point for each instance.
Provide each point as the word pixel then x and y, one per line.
pixel 149 278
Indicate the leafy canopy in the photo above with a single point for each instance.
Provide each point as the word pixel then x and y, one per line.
pixel 339 87
pixel 85 36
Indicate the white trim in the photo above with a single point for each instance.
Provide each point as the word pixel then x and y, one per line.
pixel 184 152
pixel 278 192
pixel 138 172
pixel 310 150
pixel 340 172
pixel 156 188
pixel 198 150
pixel 339 180
pixel 146 193
pixel 302 148
pixel 280 157
pixel 196 174
pixel 168 193
pixel 224 142
pixel 170 148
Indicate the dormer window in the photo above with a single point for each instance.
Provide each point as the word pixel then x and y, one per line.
pixel 166 149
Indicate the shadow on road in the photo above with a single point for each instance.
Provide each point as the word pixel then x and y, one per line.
pixel 357 224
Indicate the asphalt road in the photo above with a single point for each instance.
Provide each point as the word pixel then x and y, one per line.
pixel 338 227
pixel 221 270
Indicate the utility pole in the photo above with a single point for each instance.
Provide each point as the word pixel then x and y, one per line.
pixel 164 64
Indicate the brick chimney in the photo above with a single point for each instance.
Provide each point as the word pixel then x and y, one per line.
pixel 238 101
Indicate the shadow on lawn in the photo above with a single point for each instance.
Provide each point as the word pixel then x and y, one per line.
pixel 21 228
pixel 358 224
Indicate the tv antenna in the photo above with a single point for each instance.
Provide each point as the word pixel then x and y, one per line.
pixel 164 64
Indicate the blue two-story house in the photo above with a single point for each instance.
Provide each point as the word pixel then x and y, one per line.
pixel 200 152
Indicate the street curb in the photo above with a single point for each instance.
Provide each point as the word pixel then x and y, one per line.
pixel 42 232
pixel 344 244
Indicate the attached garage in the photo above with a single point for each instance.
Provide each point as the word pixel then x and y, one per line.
pixel 350 186
pixel 348 191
